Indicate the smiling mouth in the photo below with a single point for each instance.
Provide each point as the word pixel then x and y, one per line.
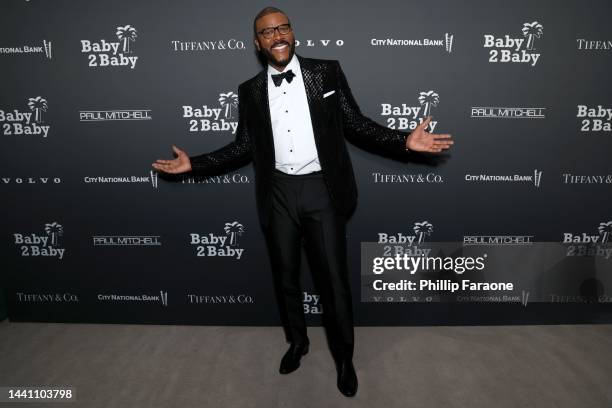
pixel 280 47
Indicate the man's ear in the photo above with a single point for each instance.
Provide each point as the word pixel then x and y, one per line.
pixel 256 43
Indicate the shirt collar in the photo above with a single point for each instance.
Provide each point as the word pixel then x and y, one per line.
pixel 293 65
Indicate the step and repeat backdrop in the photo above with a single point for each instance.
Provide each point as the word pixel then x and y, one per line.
pixel 94 92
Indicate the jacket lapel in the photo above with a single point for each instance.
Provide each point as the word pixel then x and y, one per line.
pixel 262 108
pixel 262 102
pixel 313 83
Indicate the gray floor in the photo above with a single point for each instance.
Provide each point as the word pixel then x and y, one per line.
pixel 203 366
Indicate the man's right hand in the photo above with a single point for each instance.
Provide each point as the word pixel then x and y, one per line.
pixel 181 164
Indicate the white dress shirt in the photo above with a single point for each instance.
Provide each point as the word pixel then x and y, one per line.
pixel 294 143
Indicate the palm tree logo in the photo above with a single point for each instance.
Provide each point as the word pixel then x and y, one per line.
pixel 126 34
pixel 531 31
pixel 229 100
pixel 233 229
pixel 38 105
pixel 429 99
pixel 422 229
pixel 55 230
pixel 605 228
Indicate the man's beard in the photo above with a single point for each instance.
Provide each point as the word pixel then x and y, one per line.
pixel 271 58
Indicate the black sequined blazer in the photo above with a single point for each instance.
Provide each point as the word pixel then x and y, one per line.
pixel 334 118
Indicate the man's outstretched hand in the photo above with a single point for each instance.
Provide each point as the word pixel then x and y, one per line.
pixel 181 164
pixel 422 141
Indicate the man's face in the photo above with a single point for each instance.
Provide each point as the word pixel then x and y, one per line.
pixel 279 48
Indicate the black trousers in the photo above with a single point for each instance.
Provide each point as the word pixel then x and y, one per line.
pixel 303 213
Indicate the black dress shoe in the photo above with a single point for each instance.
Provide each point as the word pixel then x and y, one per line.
pixel 347 378
pixel 291 359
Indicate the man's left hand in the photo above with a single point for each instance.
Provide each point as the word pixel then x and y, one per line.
pixel 421 141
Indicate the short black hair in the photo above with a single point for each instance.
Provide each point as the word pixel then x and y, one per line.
pixel 264 12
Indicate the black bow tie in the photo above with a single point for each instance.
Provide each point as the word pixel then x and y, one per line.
pixel 278 78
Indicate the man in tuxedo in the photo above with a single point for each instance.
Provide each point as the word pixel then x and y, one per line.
pixel 293 118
